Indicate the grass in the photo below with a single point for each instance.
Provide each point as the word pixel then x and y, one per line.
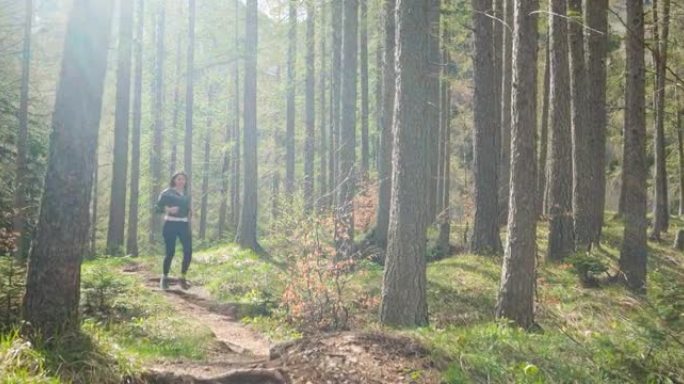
pixel 587 335
pixel 600 335
pixel 124 326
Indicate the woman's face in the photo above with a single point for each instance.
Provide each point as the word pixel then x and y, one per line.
pixel 179 181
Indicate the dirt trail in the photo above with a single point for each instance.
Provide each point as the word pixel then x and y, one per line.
pixel 246 357
pixel 241 355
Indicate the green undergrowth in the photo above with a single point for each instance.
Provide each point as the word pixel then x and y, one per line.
pixel 597 334
pixel 587 334
pixel 124 326
pixel 602 334
pixel 252 284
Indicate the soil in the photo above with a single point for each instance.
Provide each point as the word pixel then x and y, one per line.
pixel 244 356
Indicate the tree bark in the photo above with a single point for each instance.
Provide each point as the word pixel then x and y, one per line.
pixel 225 169
pixel 386 136
pixel 189 97
pixel 505 110
pixel 335 98
pixel 680 148
pixel 173 168
pixel 344 235
pixel 291 90
pixel 596 18
pixel 485 238
pixel 117 202
pixel 204 205
pixel 518 276
pixel 363 39
pixel 310 107
pixel 247 231
pixel 582 159
pixel 445 213
pixel 432 118
pixel 378 95
pixel 228 184
pixel 323 118
pixel 633 253
pixel 544 137
pixel 661 213
pixel 158 108
pixel 561 241
pixel 50 304
pixel 404 301
pixel 132 241
pixel 93 208
pixel 235 152
pixel 20 189
pixel 679 240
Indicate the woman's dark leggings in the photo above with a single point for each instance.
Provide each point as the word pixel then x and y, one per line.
pixel 171 231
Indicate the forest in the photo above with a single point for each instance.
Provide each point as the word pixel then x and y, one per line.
pixel 341 191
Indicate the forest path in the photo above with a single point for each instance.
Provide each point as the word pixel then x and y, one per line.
pixel 244 356
pixel 241 355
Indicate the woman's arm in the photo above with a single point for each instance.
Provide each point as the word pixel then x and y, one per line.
pixel 160 207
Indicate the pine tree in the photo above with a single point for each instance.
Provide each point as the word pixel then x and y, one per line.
pixel 633 253
pixel 132 240
pixel 559 177
pixel 117 202
pixel 516 294
pixel 51 301
pixel 485 238
pixel 404 300
pixel 247 229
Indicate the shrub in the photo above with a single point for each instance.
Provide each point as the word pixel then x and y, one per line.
pixel 588 268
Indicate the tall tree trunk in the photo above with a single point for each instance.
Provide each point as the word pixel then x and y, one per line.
pixel 323 118
pixel 117 202
pixel 680 148
pixel 445 213
pixel 225 169
pixel 505 132
pixel 291 90
pixel 204 205
pixel 50 304
pixel 229 155
pixel 485 238
pixel 93 208
pixel 132 241
pixel 561 241
pixel 582 159
pixel 404 301
pixel 379 52
pixel 158 108
pixel 386 136
pixel 189 97
pixel 335 98
pixel 661 212
pixel 432 118
pixel 247 230
pixel 344 220
pixel 363 39
pixel 235 152
pixel 310 106
pixel 596 18
pixel 173 167
pixel 544 136
pixel 20 192
pixel 633 253
pixel 518 276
